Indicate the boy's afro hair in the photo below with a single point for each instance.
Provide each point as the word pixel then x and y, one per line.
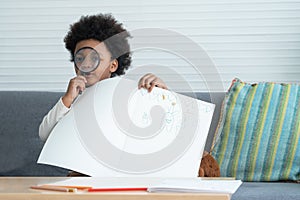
pixel 104 28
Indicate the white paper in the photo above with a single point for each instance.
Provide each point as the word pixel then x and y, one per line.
pixel 114 129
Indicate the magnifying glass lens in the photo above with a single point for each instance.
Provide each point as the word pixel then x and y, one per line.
pixel 86 59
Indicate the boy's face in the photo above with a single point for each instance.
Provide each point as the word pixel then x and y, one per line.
pixel 106 65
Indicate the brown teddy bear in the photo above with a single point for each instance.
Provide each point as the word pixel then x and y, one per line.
pixel 209 166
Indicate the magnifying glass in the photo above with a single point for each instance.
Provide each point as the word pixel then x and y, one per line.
pixel 86 60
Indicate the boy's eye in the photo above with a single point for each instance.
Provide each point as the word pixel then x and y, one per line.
pixel 95 58
pixel 79 59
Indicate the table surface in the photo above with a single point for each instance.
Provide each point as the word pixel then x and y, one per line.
pixel 12 188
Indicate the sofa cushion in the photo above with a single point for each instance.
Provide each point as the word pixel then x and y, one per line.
pixel 20 116
pixel 258 135
pixel 267 191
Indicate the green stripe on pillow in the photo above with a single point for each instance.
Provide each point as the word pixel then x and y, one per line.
pixel 242 130
pixel 257 138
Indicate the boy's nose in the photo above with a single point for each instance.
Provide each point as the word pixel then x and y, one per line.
pixel 87 66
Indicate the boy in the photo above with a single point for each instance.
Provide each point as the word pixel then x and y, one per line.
pixel 90 35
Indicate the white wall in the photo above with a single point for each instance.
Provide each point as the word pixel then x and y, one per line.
pixel 255 40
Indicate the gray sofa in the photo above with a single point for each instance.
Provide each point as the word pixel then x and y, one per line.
pixel 22 112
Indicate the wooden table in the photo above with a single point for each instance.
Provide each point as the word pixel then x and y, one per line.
pixel 12 188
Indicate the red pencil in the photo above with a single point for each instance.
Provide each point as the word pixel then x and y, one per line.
pixel 115 189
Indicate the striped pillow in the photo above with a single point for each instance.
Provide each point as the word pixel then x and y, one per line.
pixel 257 138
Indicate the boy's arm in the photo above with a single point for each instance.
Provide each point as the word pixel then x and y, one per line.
pixel 62 107
pixel 51 119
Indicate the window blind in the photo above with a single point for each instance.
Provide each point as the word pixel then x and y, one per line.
pixel 254 40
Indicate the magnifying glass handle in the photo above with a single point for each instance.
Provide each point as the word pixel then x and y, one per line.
pixel 79 90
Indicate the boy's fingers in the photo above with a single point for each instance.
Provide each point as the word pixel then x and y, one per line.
pixel 149 81
pixel 80 87
pixel 151 88
pixel 146 80
pixel 143 79
pixel 76 86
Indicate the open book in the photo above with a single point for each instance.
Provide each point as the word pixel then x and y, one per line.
pixel 197 186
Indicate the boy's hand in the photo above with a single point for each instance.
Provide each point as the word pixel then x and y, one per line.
pixel 75 87
pixel 149 81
